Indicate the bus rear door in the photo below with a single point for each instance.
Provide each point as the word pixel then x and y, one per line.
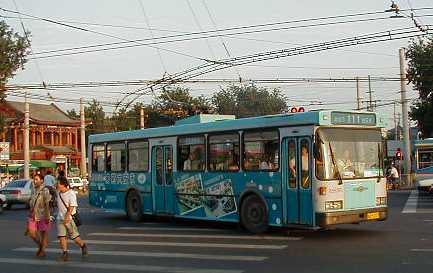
pixel 162 179
pixel 297 180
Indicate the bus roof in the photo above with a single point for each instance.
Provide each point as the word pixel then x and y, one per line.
pixel 423 142
pixel 217 123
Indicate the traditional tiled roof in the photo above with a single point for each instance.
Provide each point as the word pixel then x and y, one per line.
pixel 57 149
pixel 43 112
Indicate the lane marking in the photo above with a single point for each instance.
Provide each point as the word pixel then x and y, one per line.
pixel 165 235
pixel 422 250
pixel 207 245
pixel 411 202
pixel 121 267
pixel 172 229
pixel 428 220
pixel 154 254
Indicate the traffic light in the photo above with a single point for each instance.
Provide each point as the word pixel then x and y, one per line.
pixel 399 154
pixel 297 110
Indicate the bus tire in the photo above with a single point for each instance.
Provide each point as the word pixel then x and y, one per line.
pixel 134 208
pixel 254 214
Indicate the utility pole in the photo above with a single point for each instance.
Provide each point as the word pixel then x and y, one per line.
pixel 26 143
pixel 83 139
pixel 405 121
pixel 358 95
pixel 395 123
pixel 141 118
pixel 370 95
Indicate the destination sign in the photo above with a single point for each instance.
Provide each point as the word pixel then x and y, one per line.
pixel 343 118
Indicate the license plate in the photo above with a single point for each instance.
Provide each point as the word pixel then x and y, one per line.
pixel 373 215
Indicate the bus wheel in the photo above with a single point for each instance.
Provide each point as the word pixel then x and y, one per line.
pixel 254 215
pixel 134 209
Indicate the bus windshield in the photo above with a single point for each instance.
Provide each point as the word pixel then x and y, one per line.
pixel 348 154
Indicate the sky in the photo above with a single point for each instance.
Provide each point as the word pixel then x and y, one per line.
pixel 108 21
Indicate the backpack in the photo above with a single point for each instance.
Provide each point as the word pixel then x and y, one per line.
pixel 53 193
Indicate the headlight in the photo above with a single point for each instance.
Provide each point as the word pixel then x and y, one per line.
pixel 380 200
pixel 333 205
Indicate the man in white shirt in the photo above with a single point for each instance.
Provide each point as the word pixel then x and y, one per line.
pixel 67 206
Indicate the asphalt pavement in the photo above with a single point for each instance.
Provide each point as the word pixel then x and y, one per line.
pixel 403 243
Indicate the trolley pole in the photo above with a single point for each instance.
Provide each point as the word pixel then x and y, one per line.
pixel 405 121
pixel 358 95
pixel 83 139
pixel 26 143
pixel 370 94
pixel 141 118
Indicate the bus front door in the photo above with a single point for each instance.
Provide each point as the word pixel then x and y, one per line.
pixel 297 180
pixel 162 179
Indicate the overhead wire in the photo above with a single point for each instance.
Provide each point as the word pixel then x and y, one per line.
pixel 104 34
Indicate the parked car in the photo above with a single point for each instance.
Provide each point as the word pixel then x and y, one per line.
pixel 2 202
pixel 75 183
pixel 18 192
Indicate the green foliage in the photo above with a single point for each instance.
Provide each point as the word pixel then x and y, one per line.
pixel 95 114
pixel 177 102
pixel 249 101
pixel 13 52
pixel 420 74
pixel 73 114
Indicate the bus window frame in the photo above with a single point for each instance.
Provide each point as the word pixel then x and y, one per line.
pixel 353 128
pixel 208 151
pixel 422 150
pixel 148 155
pixel 243 149
pixel 103 144
pixel 178 154
pixel 126 156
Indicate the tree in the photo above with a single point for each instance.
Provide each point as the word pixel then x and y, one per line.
pixel 13 52
pixel 249 101
pixel 73 114
pixel 420 74
pixel 95 114
pixel 176 103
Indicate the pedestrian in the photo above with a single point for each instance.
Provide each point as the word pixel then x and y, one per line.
pixel 49 179
pixel 393 176
pixel 66 227
pixel 39 220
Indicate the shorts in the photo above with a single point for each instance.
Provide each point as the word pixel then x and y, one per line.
pixel 41 225
pixel 70 230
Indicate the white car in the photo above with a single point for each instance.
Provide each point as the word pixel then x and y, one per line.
pixel 2 202
pixel 18 192
pixel 75 183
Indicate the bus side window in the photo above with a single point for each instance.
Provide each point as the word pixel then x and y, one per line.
pixel 261 150
pixel 98 158
pixel 224 152
pixel 191 153
pixel 138 154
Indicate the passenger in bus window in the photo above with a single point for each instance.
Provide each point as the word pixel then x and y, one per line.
pixel 345 164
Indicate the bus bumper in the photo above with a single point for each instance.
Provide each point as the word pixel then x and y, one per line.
pixel 351 217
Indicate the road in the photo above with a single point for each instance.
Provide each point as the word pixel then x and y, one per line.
pixel 403 243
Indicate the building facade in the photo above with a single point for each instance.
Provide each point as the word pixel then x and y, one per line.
pixel 54 136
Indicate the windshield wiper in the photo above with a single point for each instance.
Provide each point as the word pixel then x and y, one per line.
pixel 335 165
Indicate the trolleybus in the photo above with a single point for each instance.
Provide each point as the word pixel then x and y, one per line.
pixel 424 163
pixel 311 169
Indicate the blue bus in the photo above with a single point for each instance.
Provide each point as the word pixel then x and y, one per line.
pixel 424 163
pixel 311 169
